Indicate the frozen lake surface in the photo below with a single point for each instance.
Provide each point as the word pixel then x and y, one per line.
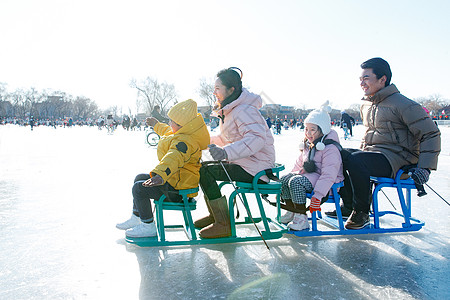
pixel 63 190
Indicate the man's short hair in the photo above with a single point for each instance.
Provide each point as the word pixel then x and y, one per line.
pixel 380 68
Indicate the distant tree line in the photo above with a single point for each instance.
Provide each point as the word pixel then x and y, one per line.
pixel 47 104
pixel 435 104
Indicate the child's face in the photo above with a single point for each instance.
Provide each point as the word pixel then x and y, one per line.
pixel 175 126
pixel 312 132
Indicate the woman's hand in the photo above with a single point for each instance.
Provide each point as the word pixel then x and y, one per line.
pixel 151 121
pixel 154 181
pixel 217 153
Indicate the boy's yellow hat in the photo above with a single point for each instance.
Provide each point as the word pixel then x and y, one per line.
pixel 183 112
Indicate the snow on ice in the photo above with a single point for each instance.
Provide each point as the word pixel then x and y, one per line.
pixel 63 190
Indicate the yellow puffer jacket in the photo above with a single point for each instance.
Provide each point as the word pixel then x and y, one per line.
pixel 179 153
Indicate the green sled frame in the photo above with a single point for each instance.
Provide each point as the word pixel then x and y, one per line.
pixel 272 229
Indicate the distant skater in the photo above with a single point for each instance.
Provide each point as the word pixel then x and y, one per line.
pixel 348 121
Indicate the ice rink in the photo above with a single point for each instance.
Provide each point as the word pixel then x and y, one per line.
pixel 63 190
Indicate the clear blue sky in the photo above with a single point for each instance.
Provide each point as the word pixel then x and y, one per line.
pixel 298 53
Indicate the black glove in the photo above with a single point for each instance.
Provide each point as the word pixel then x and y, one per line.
pixel 217 153
pixel 151 121
pixel 419 175
pixel 155 180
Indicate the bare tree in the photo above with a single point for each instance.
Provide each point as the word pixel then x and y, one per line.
pixel 151 93
pixel 34 101
pixel 206 91
pixel 19 102
pixel 434 103
pixel 353 111
pixel 114 110
pixel 6 108
pixel 58 104
pixel 84 108
pixel 45 104
pixel 3 91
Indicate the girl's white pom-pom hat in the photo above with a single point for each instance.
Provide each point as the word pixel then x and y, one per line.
pixel 321 118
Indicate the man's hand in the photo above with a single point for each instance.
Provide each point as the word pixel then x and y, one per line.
pixel 151 121
pixel 315 205
pixel 419 175
pixel 155 180
pixel 217 153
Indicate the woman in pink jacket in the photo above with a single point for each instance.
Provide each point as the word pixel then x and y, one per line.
pixel 245 145
pixel 317 168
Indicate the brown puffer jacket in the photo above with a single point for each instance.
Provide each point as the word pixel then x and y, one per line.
pixel 400 129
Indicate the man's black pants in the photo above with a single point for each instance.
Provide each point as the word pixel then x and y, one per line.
pixel 358 167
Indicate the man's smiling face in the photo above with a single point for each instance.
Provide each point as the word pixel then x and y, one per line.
pixel 369 82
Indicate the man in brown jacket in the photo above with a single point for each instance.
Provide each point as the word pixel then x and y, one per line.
pixel 399 133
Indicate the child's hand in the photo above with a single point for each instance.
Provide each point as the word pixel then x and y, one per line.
pixel 155 180
pixel 315 205
pixel 151 121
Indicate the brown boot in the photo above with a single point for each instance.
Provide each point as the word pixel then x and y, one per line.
pixel 205 221
pixel 221 227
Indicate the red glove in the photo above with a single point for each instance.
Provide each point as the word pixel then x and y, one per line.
pixel 315 205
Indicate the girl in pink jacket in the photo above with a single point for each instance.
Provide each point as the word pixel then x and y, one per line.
pixel 317 168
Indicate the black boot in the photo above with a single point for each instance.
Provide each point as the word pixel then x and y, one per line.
pixel 346 212
pixel 357 220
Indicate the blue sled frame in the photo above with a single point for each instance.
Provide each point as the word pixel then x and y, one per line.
pixel 403 188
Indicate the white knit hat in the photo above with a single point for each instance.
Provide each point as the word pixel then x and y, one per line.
pixel 321 118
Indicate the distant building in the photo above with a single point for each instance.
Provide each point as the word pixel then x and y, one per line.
pixel 287 112
pixel 278 111
pixel 141 117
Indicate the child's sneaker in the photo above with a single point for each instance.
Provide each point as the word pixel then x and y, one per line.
pixel 287 217
pixel 142 230
pixel 300 222
pixel 130 223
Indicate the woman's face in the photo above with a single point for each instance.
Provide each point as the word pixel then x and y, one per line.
pixel 221 92
pixel 312 132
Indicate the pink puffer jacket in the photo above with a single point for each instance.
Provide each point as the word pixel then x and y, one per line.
pixel 244 134
pixel 329 167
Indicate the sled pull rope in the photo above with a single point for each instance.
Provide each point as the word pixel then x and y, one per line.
pixel 437 194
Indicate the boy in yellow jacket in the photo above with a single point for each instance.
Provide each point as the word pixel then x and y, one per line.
pixel 179 152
